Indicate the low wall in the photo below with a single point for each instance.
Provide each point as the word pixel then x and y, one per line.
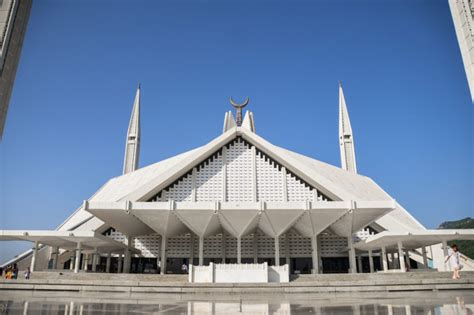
pixel 238 273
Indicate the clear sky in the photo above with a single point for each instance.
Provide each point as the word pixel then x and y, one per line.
pixel 399 62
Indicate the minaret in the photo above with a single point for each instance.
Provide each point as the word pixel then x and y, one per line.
pixel 132 145
pixel 346 140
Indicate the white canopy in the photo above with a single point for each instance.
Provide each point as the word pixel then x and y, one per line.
pixel 89 240
pixel 413 240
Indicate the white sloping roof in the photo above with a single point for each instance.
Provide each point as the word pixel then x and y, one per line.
pixel 363 188
pixel 337 183
pixel 118 187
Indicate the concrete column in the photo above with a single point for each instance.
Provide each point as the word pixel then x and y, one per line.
pixel 425 257
pixel 86 262
pixel 255 248
pixel 239 250
pixel 163 254
pixel 314 250
pixel 107 264
pixel 407 310
pixel 55 257
pixel 127 261
pixel 120 263
pixel 352 255
pixel 224 246
pixel 33 258
pixel 359 263
pixel 201 250
pixel 71 259
pixel 95 259
pixel 287 249
pixel 392 260
pixel 445 254
pixel 191 249
pixel 401 256
pixel 407 259
pixel 277 251
pixel 390 309
pixel 371 262
pixel 383 258
pixel 78 257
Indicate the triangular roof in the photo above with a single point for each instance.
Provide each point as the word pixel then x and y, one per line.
pixel 336 183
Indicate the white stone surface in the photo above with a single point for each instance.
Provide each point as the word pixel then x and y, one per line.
pixel 238 273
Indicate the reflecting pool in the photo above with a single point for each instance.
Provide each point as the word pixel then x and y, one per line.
pixel 432 303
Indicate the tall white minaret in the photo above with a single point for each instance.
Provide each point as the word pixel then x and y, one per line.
pixel 346 140
pixel 132 145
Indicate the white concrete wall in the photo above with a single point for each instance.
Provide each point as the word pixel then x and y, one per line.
pixel 278 274
pixel 238 273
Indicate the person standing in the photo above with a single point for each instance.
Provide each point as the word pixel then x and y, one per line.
pixel 15 271
pixel 184 268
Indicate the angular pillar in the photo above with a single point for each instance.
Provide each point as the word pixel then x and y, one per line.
pixel 425 257
pixel 71 260
pixel 401 256
pixel 127 261
pixel 55 257
pixel 78 257
pixel 94 260
pixel 371 262
pixel 255 248
pixel 239 250
pixel 163 255
pixel 120 263
pixel 33 258
pixel 191 249
pixel 383 258
pixel 107 264
pixel 277 251
pixel 86 262
pixel 445 254
pixel 407 259
pixel 224 247
pixel 201 250
pixel 315 253
pixel 287 249
pixel 352 255
pixel 359 263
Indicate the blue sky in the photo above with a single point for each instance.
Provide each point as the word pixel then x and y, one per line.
pixel 399 62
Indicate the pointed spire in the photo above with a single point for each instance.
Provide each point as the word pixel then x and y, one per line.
pixel 248 121
pixel 346 140
pixel 229 121
pixel 132 145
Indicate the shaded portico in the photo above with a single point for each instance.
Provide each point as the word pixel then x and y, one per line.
pixel 76 242
pixel 402 243
pixel 239 219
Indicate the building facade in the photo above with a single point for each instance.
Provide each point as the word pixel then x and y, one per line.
pixel 238 199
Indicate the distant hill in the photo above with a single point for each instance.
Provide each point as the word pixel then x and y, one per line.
pixel 465 247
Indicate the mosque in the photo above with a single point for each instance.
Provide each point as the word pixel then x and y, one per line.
pixel 238 199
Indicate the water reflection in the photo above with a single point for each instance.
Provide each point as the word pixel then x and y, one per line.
pixel 454 303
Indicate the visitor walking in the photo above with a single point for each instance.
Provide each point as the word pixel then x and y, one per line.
pixel 454 261
pixel 27 273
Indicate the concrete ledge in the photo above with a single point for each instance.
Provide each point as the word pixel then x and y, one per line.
pixel 319 284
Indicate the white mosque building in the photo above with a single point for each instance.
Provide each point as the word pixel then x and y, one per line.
pixel 243 200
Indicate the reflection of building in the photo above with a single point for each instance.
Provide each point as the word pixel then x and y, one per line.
pixel 13 20
pixel 462 12
pixel 239 199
